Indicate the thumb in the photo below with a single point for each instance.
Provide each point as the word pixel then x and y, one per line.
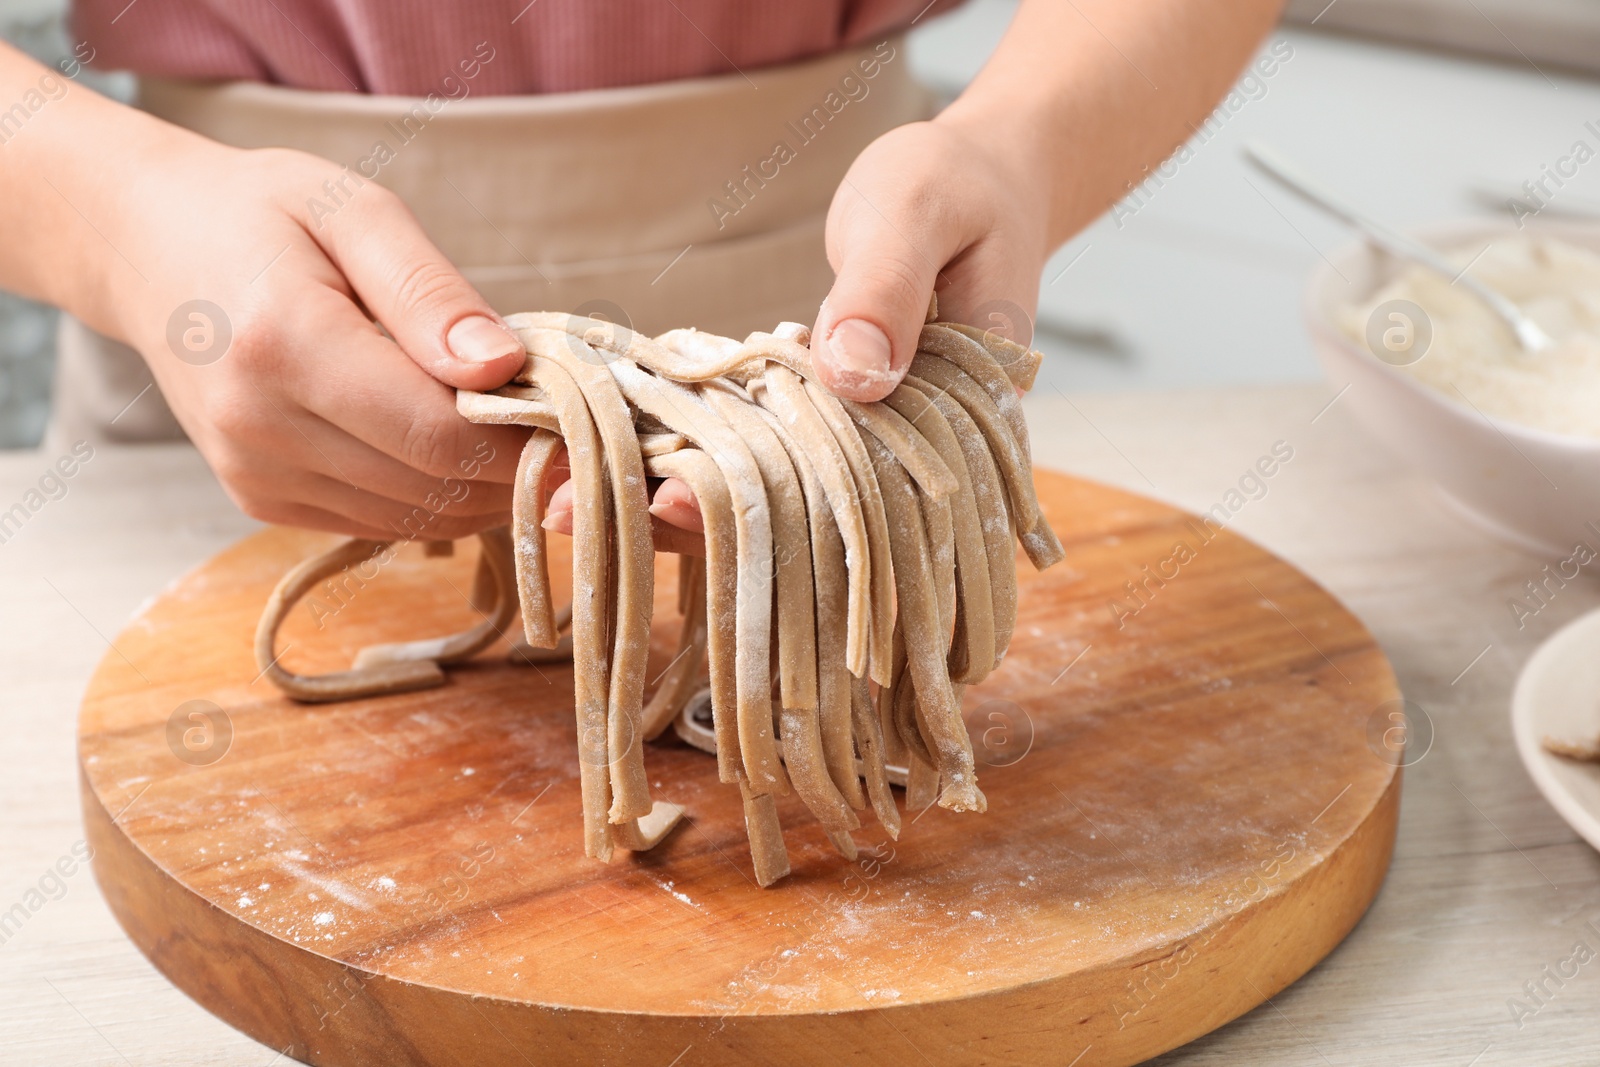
pixel 867 329
pixel 432 312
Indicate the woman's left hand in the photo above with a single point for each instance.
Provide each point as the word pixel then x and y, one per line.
pixel 969 205
pixel 928 208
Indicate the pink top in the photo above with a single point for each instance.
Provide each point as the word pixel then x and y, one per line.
pixel 451 47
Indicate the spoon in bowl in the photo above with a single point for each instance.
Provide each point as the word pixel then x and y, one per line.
pixel 1530 336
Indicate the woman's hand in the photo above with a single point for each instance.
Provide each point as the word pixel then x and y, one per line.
pixel 931 207
pixel 310 414
pixel 256 314
pixel 1074 107
pixel 925 207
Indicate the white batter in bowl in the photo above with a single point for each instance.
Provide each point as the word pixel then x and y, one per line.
pixel 1471 354
pixel 1513 446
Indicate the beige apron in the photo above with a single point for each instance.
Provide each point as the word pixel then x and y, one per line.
pixel 690 203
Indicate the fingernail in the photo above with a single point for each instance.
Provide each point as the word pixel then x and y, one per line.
pixel 681 510
pixel 859 347
pixel 479 339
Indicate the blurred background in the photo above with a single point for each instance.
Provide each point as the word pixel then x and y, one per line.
pixel 1417 109
pixel 27 330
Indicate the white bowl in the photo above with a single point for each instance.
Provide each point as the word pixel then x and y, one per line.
pixel 1537 489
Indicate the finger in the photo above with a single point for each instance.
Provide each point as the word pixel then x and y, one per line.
pixel 675 527
pixel 559 470
pixel 298 499
pixel 866 331
pixel 377 395
pixel 435 315
pixel 309 518
pixel 558 512
pixel 992 287
pixel 675 504
pixel 985 288
pixel 267 494
pixel 438 520
pixel 315 444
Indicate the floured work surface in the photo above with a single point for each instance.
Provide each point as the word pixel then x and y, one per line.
pixel 1185 814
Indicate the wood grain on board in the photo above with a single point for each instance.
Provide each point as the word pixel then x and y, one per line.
pixel 1187 811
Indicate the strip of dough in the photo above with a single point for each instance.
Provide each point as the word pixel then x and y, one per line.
pixel 935 482
pixel 688 725
pixel 505 410
pixel 682 410
pixel 797 640
pixel 1038 540
pixel 642 835
pixel 522 654
pixel 399 677
pixel 883 577
pixel 894 746
pixel 907 725
pixel 710 489
pixel 657 444
pixel 528 539
pixel 925 653
pixel 940 527
pixel 389 668
pixel 767 852
pixel 485 596
pixel 808 770
pixel 1020 362
pixel 972 658
pixel 494 562
pixel 922 785
pixel 834 681
pixel 920 459
pixel 989 496
pixel 688 570
pixel 633 587
pixel 971 357
pixel 869 736
pixel 782 393
pixel 590 596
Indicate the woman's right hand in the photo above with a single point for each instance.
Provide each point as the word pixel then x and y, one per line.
pixel 250 281
pixel 309 413
pixel 255 311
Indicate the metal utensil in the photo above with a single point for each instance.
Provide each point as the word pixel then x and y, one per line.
pixel 1529 334
pixel 1516 201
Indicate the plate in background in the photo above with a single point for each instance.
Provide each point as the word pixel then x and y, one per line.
pixel 1558 695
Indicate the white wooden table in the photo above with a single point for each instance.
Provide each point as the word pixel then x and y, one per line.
pixel 1488 885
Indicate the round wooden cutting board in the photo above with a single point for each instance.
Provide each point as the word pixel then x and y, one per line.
pixel 1190 804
